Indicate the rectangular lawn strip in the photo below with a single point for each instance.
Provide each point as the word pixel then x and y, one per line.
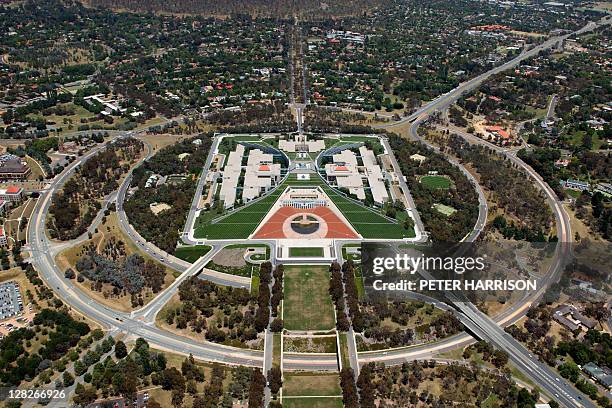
pixel 245 246
pixel 322 402
pixel 255 282
pixel 307 304
pixel 276 350
pixel 383 231
pixel 359 281
pixel 444 209
pixel 307 252
pixel 227 231
pixel 311 384
pixel 344 356
pixel 191 253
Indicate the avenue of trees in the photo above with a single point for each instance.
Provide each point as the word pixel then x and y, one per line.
pixel 19 362
pixel 380 386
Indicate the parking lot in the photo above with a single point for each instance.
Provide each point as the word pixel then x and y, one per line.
pixel 11 303
pixel 13 314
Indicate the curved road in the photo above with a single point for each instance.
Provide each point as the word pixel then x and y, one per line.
pixel 43 260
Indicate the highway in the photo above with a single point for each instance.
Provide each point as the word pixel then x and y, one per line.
pixel 139 323
pixel 447 99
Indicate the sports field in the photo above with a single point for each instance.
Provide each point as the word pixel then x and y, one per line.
pixel 436 182
pixel 239 225
pixel 445 209
pixel 307 304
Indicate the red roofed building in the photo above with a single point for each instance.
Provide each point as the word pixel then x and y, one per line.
pixel 264 167
pixel 498 133
pixel 12 193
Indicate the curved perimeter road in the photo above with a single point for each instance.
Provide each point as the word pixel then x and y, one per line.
pixel 44 262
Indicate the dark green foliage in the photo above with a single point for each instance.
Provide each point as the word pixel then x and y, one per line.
pixel 163 229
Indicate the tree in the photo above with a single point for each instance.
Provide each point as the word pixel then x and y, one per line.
pixel 349 389
pixel 500 358
pixel 79 368
pixel 172 379
pixel 69 274
pixel 275 379
pixel 256 390
pixel 277 325
pixel 120 349
pixel 68 379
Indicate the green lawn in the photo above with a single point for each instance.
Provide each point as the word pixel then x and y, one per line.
pixel 255 282
pixel 344 357
pixel 308 252
pixel 311 384
pixel 191 253
pixel 276 350
pixel 491 401
pixel 573 193
pixel 359 282
pixel 246 246
pixel 320 402
pixel 436 182
pixel 368 222
pixel 307 304
pixel 239 224
pixel 325 344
